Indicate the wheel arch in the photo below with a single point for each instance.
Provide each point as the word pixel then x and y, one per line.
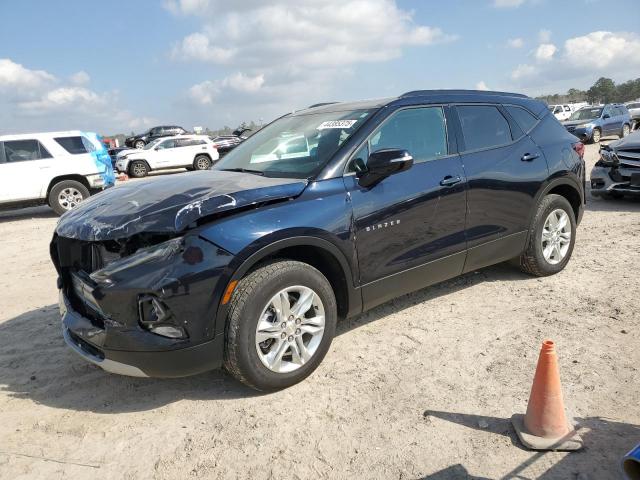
pixel 61 178
pixel 565 187
pixel 317 252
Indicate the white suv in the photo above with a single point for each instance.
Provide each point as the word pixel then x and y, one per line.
pixel 195 152
pixel 561 112
pixel 58 168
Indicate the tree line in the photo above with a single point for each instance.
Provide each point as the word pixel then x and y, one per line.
pixel 604 90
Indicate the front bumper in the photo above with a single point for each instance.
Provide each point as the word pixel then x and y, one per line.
pixel 613 181
pixel 88 341
pixel 105 321
pixel 584 134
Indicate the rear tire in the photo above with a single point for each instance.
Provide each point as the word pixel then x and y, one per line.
pixel 253 306
pixel 66 195
pixel 202 162
pixel 138 169
pixel 541 257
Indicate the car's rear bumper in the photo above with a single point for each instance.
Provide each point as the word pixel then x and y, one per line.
pixel 80 334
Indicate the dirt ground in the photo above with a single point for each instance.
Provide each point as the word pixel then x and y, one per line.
pixel 420 388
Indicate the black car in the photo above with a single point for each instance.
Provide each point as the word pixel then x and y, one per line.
pixel 113 154
pixel 322 214
pixel 617 173
pixel 139 141
pixel 225 143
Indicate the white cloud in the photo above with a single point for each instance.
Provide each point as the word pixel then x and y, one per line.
pixel 289 50
pixel 544 36
pixel 482 86
pixel 545 52
pixel 584 57
pixel 15 76
pixel 507 3
pixel 515 43
pixel 80 78
pixel 64 98
pixel 206 92
pixel 305 33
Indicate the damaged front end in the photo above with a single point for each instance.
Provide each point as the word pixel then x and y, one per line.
pixel 617 172
pixel 128 311
pixel 139 287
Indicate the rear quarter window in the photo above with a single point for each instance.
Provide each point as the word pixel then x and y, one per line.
pixel 523 117
pixel 75 145
pixel 24 150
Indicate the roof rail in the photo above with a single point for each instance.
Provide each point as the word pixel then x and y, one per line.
pixel 321 104
pixel 422 93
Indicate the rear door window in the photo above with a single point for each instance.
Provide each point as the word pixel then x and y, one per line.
pixel 483 126
pixel 24 150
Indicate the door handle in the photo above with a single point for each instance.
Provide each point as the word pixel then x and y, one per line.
pixel 529 157
pixel 449 181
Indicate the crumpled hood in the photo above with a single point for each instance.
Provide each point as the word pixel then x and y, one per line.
pixel 170 203
pixel 630 142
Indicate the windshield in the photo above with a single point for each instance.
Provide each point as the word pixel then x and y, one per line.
pixel 153 144
pixel 586 114
pixel 295 146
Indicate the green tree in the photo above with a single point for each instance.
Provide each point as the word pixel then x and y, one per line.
pixel 603 91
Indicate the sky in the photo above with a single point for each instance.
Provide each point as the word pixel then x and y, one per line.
pixel 123 66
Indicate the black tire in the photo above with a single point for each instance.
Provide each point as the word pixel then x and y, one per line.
pixel 139 144
pixel 138 169
pixel 248 301
pixel 202 162
pixel 626 129
pixel 66 194
pixel 595 136
pixel 532 260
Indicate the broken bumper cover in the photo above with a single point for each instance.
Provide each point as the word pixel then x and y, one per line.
pixel 80 334
pixel 614 181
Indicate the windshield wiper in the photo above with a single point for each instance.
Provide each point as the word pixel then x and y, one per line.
pixel 243 170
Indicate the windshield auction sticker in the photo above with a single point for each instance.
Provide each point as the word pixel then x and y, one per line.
pixel 337 124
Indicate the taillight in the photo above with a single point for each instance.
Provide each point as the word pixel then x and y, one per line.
pixel 579 148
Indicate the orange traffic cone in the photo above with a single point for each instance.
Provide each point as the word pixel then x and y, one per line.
pixel 545 425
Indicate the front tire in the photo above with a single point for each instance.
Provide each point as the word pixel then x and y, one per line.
pixel 138 169
pixel 202 162
pixel 66 195
pixel 551 237
pixel 280 325
pixel 596 135
pixel 139 144
pixel 625 130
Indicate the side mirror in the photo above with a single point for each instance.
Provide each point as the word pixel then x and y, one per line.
pixel 381 164
pixel 606 115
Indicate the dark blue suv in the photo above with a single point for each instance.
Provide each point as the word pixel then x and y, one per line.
pixel 322 214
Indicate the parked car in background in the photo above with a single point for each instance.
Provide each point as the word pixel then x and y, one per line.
pixel 617 172
pixel 139 141
pixel 60 169
pixel 561 112
pixel 634 111
pixel 113 153
pixel 590 124
pixel 226 143
pixel 195 152
pixel 250 264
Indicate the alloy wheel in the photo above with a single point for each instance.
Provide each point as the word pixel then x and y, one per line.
pixel 596 136
pixel 290 329
pixel 139 169
pixel 625 130
pixel 69 198
pixel 556 236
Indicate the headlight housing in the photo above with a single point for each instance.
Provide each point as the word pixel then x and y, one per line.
pixel 161 251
